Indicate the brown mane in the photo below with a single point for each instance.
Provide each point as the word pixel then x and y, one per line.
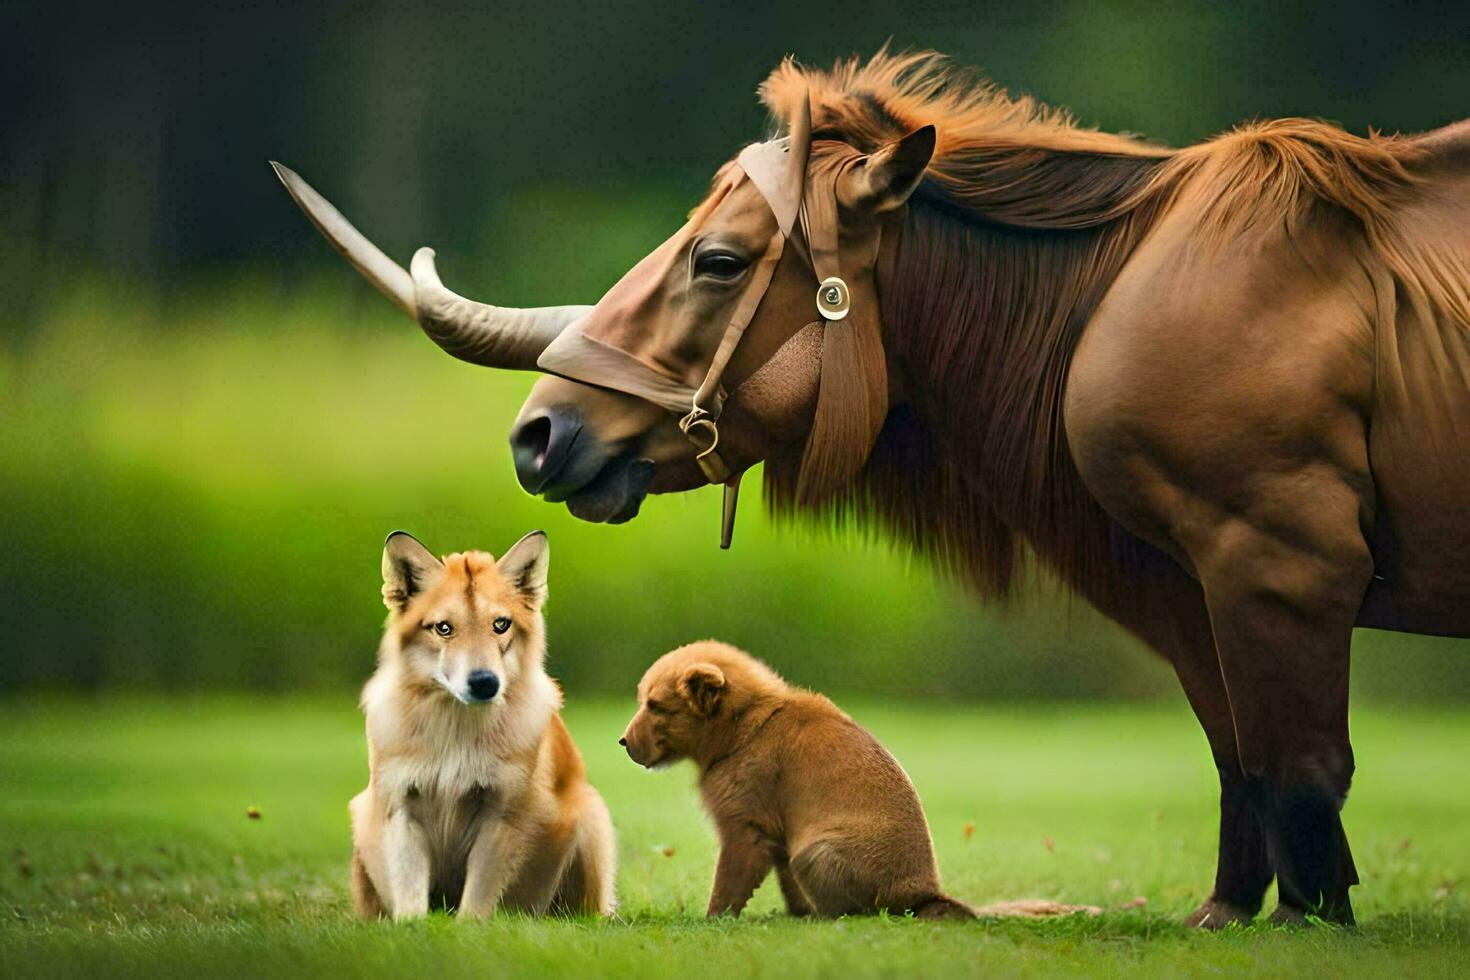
pixel 1022 223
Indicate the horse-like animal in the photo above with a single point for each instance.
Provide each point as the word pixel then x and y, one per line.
pixel 1221 392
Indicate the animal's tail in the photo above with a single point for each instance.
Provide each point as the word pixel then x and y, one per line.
pixel 943 907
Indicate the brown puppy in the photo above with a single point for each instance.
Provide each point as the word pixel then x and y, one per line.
pixel 793 784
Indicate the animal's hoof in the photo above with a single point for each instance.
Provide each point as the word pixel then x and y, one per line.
pixel 1286 915
pixel 1215 914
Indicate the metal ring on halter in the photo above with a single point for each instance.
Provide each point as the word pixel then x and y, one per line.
pixel 714 430
pixel 714 468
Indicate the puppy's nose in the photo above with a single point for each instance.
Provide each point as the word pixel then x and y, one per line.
pixel 483 685
pixel 623 742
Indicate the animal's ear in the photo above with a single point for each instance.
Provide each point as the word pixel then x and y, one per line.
pixel 524 566
pixel 701 685
pixel 884 179
pixel 408 569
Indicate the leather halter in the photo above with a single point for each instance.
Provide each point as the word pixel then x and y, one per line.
pixel 600 349
pixel 817 216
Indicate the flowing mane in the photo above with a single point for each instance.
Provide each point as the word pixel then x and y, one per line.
pixel 1013 160
pixel 1020 226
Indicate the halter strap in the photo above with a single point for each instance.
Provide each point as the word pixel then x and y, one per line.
pixel 817 216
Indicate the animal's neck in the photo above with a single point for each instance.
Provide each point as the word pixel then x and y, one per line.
pixel 745 722
pixel 980 323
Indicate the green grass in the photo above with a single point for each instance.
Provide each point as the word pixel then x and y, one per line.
pixel 127 851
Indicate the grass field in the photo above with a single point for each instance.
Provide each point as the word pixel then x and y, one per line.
pixel 128 851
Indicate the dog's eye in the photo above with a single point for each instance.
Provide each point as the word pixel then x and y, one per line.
pixel 442 628
pixel 719 265
pixel 501 624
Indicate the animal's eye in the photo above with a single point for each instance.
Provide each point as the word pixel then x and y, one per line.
pixel 719 265
pixel 442 628
pixel 501 624
pixel 655 708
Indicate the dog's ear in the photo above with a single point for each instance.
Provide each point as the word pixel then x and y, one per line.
pixel 408 569
pixel 701 685
pixel 524 566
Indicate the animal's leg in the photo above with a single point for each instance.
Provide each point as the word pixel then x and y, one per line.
pixel 743 864
pixel 1170 615
pixel 1243 869
pixel 1282 606
pixel 406 854
pixel 796 902
pixel 364 896
pixel 497 858
pixel 544 868
pixel 831 885
pixel 587 886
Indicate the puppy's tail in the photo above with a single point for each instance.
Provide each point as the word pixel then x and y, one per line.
pixel 943 907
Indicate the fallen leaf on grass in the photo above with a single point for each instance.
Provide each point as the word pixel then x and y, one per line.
pixel 969 830
pixel 1049 844
pixel 253 812
pixel 666 850
pixel 1138 902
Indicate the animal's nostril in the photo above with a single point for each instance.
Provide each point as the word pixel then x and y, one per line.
pixel 532 440
pixel 542 444
pixel 623 742
pixel 483 685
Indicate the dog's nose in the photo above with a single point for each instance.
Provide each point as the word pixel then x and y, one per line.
pixel 483 685
pixel 623 742
pixel 541 445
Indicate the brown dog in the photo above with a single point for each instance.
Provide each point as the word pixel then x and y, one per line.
pixel 476 796
pixel 791 783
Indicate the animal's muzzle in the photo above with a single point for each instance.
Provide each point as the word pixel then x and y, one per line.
pixel 483 685
pixel 542 447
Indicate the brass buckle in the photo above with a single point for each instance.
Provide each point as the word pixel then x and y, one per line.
pixel 833 298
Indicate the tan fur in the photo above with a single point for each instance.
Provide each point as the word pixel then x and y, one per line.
pixel 473 805
pixel 792 784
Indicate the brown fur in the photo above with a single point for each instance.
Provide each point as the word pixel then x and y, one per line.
pixel 1023 221
pixel 472 805
pixel 792 784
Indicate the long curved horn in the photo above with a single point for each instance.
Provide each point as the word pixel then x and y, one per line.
pixel 495 336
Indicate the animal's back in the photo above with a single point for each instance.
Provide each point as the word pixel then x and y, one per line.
pixel 832 758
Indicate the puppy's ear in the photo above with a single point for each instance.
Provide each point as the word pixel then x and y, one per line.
pixel 701 686
pixel 408 569
pixel 524 566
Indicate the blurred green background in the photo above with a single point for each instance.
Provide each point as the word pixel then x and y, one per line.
pixel 209 423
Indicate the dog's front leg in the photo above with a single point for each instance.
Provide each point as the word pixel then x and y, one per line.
pixel 406 853
pixel 744 863
pixel 495 861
